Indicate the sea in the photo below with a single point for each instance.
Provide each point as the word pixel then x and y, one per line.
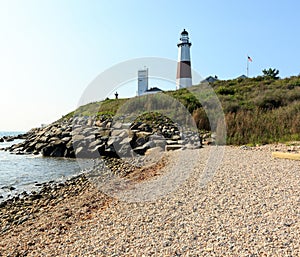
pixel 19 173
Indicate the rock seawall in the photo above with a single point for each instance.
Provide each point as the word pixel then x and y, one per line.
pixel 86 137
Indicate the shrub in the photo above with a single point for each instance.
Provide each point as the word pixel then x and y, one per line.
pixel 225 90
pixel 201 119
pixel 269 102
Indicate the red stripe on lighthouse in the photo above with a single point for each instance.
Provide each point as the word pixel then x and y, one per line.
pixel 184 69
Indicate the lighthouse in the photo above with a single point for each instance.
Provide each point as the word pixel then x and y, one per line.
pixel 184 74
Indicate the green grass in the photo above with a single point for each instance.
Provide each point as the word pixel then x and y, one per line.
pixel 107 107
pixel 257 110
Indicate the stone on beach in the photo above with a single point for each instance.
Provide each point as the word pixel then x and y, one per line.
pixel 249 207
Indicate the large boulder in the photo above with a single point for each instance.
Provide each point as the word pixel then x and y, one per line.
pixel 46 151
pixel 142 149
pixel 40 146
pixel 58 151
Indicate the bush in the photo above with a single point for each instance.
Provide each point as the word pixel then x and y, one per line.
pixel 269 102
pixel 201 119
pixel 225 90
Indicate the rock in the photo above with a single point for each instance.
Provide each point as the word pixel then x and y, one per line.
pixel 160 143
pixel 69 153
pixel 29 150
pixel 136 125
pixel 145 127
pixel 79 151
pixel 120 133
pixel 44 139
pixel 126 140
pixel 12 188
pixel 114 140
pixel 23 219
pixel 143 134
pixel 142 149
pixel 245 147
pixel 40 146
pixel 90 122
pixel 54 139
pixel 172 142
pixel 66 139
pixel 154 150
pixel 110 152
pixel 16 146
pixel 124 151
pixel 99 149
pixel 173 147
pixel 90 138
pixel 46 151
pixel 8 138
pixel 176 137
pixel 95 143
pixel 58 151
pixel 140 141
pixel 78 138
pixel 35 196
pixel 1 140
pixel 69 145
pixel 192 146
pixel 57 142
pixel 98 123
pixel 117 125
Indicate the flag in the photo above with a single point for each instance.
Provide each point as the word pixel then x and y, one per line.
pixel 249 59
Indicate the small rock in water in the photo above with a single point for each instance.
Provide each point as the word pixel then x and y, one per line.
pixel 12 188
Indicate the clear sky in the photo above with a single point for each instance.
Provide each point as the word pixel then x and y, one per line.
pixel 50 50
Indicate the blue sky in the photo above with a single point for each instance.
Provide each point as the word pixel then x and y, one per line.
pixel 51 50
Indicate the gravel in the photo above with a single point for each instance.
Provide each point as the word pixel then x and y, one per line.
pixel 249 206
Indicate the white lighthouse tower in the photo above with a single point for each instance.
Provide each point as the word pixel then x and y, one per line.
pixel 184 74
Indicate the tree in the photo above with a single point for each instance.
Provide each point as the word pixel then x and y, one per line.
pixel 271 73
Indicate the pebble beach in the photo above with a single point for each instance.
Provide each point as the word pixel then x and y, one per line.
pixel 250 206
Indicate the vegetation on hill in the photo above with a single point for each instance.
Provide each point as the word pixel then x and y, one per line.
pixel 261 110
pixel 258 110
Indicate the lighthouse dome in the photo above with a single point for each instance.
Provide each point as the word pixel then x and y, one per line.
pixel 184 32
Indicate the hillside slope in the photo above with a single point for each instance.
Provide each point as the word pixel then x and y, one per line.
pixel 257 110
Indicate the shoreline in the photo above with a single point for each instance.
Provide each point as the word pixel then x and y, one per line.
pixel 292 147
pixel 16 210
pixel 256 191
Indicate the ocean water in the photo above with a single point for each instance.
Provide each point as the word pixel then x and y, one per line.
pixel 23 171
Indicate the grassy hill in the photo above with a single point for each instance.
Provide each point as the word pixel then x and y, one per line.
pixel 257 110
